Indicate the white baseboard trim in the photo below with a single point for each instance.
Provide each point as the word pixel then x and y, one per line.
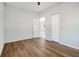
pixel 65 44
pixel 1 47
pixel 17 40
pixel 20 39
pixel 69 45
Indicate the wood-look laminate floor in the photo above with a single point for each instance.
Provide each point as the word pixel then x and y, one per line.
pixel 29 48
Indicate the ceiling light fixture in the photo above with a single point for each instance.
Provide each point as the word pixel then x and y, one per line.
pixel 38 3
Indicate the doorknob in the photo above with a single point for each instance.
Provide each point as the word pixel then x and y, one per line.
pixel 44 25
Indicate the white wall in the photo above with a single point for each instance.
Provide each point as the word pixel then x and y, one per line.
pixel 19 23
pixel 69 23
pixel 1 27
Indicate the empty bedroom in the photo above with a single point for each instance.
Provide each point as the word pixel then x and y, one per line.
pixel 39 29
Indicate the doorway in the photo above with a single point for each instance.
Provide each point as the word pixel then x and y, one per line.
pixel 42 27
pixel 42 32
pixel 39 31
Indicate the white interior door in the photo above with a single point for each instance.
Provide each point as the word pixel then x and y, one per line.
pixel 42 27
pixel 55 27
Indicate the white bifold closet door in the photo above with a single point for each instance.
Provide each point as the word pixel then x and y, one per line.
pixel 55 27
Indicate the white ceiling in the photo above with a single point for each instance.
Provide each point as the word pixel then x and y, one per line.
pixel 32 6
